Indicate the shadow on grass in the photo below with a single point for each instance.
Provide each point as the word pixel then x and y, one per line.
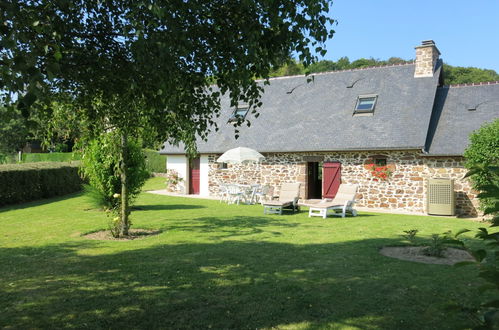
pixel 40 202
pixel 233 226
pixel 227 285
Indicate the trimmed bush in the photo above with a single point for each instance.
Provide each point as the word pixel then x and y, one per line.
pixel 49 157
pixel 482 152
pixel 8 158
pixel 27 182
pixel 154 161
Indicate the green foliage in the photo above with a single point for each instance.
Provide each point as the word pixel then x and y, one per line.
pixel 487 261
pixel 137 68
pixel 452 74
pixel 50 157
pixel 26 182
pixel 59 124
pixel 436 246
pixel 488 258
pixel 290 68
pixel 410 235
pixel 489 190
pixel 293 67
pixel 13 130
pixel 155 162
pixel 46 45
pixel 101 166
pixel 482 152
pixel 460 75
pixel 8 158
pixel 102 159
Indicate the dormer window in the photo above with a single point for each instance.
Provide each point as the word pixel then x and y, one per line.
pixel 365 104
pixel 240 112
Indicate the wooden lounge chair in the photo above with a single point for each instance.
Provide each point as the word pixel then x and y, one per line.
pixel 339 206
pixel 288 197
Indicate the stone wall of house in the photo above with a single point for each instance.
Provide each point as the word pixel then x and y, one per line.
pixel 404 190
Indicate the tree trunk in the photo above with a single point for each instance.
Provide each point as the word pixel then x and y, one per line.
pixel 124 186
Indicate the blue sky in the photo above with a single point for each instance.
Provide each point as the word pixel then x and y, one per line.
pixel 465 32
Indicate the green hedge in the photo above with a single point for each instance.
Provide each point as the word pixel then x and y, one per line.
pixel 8 158
pixel 26 182
pixel 49 157
pixel 154 161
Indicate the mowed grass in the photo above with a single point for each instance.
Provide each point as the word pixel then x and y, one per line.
pixel 222 266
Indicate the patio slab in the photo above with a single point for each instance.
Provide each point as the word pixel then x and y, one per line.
pixel 169 193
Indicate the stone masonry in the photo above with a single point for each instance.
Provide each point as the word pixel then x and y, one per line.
pixel 404 190
pixel 426 58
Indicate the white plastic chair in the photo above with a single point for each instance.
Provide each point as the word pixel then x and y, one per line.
pixel 222 193
pixel 234 194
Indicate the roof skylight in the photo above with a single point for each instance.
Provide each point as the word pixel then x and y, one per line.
pixel 240 112
pixel 365 104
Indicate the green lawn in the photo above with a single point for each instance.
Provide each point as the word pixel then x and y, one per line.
pixel 221 266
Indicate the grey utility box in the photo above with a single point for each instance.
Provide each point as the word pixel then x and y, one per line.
pixel 440 199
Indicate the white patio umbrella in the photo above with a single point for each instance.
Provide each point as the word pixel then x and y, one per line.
pixel 240 155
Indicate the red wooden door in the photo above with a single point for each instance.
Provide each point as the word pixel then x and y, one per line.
pixel 331 179
pixel 194 176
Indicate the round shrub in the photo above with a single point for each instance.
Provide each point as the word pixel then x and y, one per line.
pixel 482 152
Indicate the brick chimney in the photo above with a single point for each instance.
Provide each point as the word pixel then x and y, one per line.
pixel 426 59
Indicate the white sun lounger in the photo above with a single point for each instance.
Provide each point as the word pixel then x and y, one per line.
pixel 342 203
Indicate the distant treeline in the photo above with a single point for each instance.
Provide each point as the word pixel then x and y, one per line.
pixel 452 74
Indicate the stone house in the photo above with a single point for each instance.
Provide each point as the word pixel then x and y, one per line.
pixel 333 127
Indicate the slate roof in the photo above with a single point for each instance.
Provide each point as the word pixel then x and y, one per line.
pixel 318 116
pixel 452 122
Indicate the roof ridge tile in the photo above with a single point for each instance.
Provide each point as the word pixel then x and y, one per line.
pixel 337 71
pixel 483 83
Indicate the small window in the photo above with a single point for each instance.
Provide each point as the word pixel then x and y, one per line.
pixel 240 112
pixel 365 104
pixel 380 161
pixel 223 166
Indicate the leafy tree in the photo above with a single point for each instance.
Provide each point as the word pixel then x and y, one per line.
pixel 364 62
pixel 59 125
pixel 452 75
pixel 482 152
pixel 101 163
pixel 13 130
pixel 397 60
pixel 343 63
pixel 323 66
pixel 291 68
pixel 135 66
pixel 460 75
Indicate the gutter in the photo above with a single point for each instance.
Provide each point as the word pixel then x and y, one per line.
pixel 305 151
pixel 442 155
